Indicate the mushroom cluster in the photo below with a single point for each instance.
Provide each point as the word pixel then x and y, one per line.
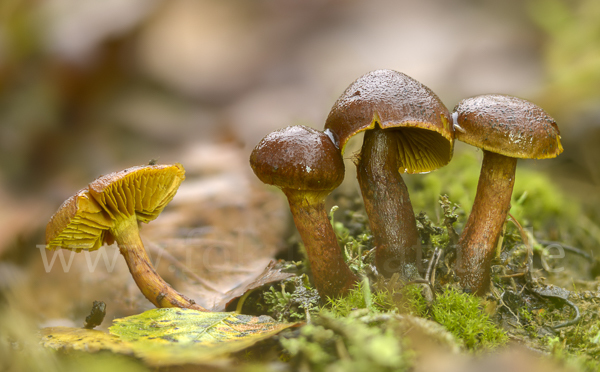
pixel 407 129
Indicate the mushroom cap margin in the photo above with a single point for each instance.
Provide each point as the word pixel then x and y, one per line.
pixel 396 101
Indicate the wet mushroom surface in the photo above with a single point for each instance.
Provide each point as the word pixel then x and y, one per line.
pixel 307 166
pixel 407 130
pixel 506 129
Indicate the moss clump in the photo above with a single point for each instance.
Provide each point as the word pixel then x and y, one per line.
pixel 293 301
pixel 354 237
pixel 357 342
pixel 462 315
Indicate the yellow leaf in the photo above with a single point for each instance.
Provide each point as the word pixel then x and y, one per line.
pixel 170 336
pixel 66 338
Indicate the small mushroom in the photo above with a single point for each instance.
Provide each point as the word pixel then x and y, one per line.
pixel 407 129
pixel 505 128
pixel 109 210
pixel 307 166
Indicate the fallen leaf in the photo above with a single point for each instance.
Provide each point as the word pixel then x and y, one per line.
pixel 271 274
pixel 81 339
pixel 170 336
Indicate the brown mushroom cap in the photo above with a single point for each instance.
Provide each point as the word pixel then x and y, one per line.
pixel 298 158
pixel 83 220
pixel 508 126
pixel 392 99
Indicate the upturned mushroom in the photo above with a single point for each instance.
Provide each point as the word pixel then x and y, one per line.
pixel 407 130
pixel 505 128
pixel 307 166
pixel 109 210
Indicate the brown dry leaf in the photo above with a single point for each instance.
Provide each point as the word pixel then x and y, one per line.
pixel 273 273
pixel 17 217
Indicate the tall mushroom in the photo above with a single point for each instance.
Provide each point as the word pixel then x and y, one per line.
pixel 505 128
pixel 407 129
pixel 307 166
pixel 108 210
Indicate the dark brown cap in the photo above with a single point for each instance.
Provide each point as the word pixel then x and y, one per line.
pixel 508 126
pixel 298 158
pixel 392 99
pixel 83 220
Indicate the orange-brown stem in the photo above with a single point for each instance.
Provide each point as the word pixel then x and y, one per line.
pixel 479 238
pixel 152 285
pixel 387 203
pixel 331 275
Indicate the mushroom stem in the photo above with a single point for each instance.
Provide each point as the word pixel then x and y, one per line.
pixel 387 204
pixel 331 274
pixel 152 285
pixel 478 240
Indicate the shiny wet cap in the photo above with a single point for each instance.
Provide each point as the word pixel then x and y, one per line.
pixel 393 100
pixel 507 125
pixel 298 158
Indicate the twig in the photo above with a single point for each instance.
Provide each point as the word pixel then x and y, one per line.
pixel 572 321
pixel 569 248
pixel 511 275
pixel 430 264
pixel 525 240
pixel 437 259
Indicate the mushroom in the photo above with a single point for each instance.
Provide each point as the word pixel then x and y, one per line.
pixel 307 166
pixel 505 128
pixel 407 129
pixel 109 210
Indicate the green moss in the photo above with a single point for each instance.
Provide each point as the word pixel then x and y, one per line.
pixel 357 342
pixel 343 306
pixel 462 315
pixel 536 201
pixel 292 300
pixel 353 236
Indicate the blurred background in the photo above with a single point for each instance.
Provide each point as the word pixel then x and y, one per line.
pixel 89 87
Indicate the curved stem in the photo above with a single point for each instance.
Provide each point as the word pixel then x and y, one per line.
pixel 331 274
pixel 152 285
pixel 391 216
pixel 478 240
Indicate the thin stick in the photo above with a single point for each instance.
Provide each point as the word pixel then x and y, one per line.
pixel 567 248
pixel 437 259
pixel 430 264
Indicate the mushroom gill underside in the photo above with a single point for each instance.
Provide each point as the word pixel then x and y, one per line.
pixel 101 205
pixel 145 197
pixel 85 230
pixel 421 150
